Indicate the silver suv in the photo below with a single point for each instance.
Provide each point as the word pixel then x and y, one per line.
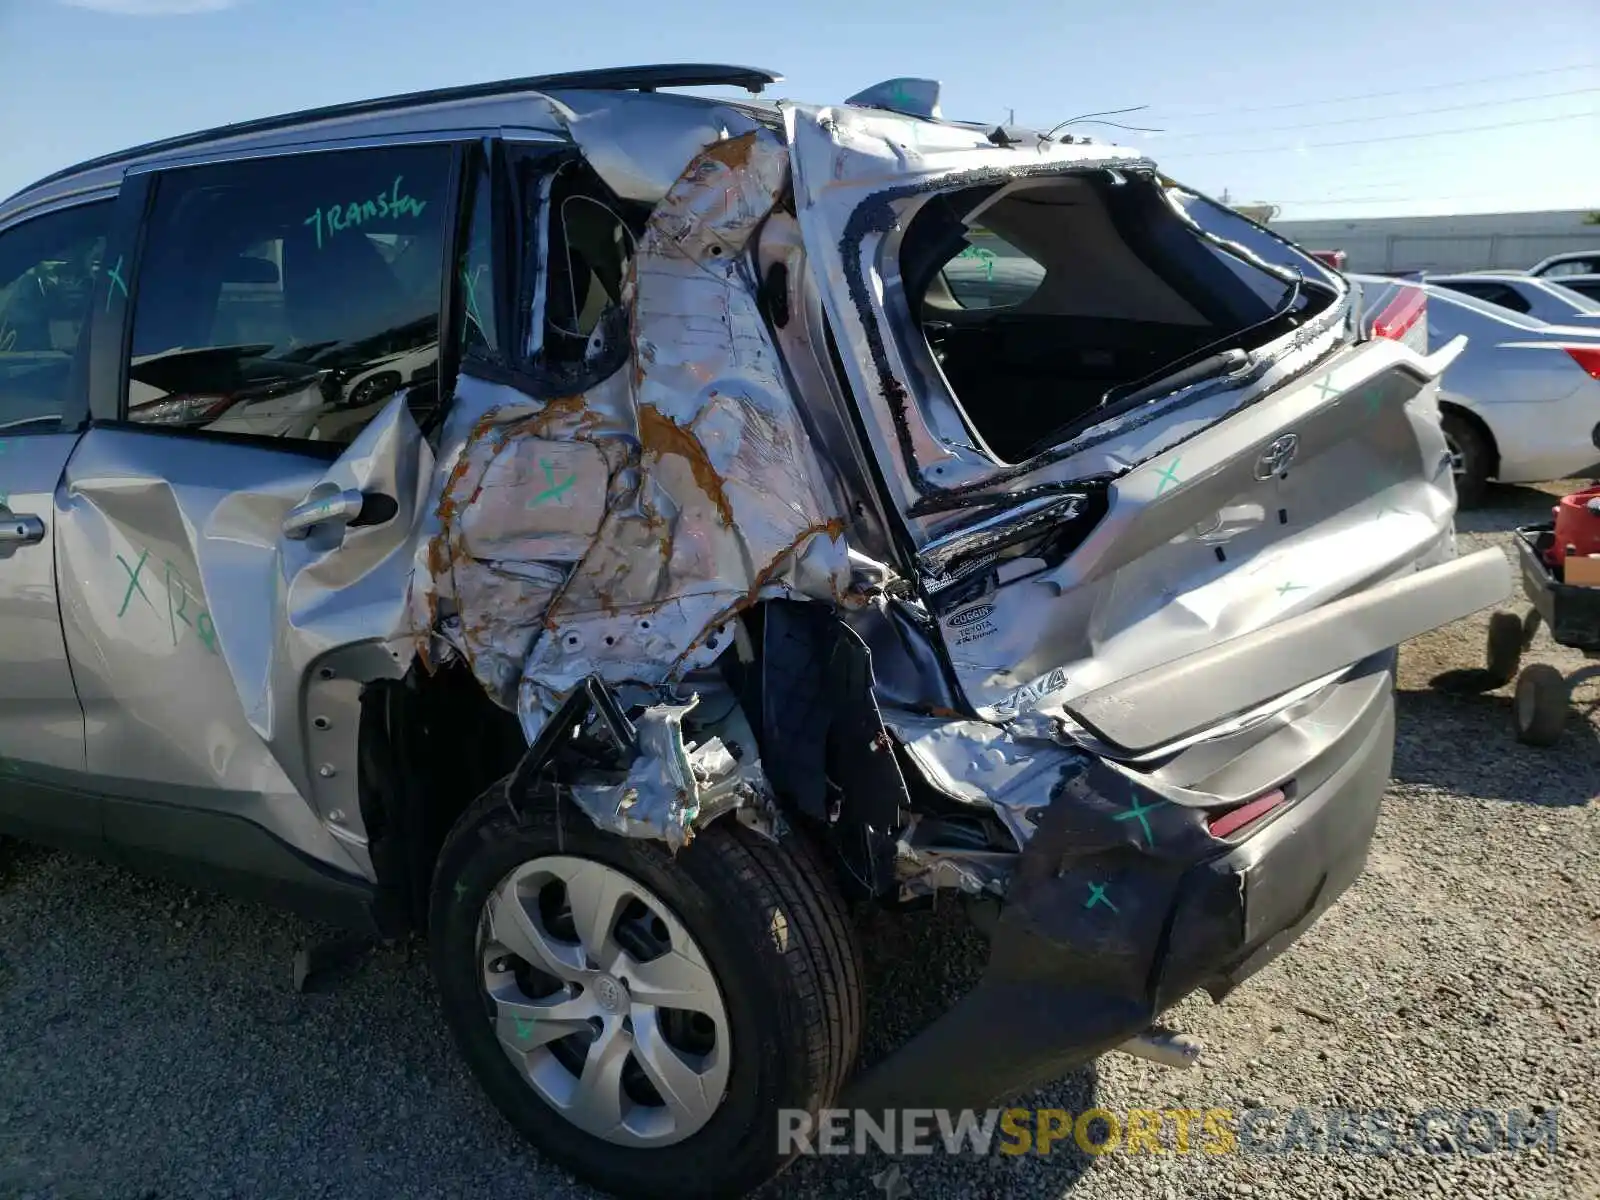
pixel 614 532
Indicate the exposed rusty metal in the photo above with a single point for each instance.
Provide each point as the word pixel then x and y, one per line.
pixel 661 435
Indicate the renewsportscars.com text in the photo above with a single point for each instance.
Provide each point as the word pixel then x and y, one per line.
pixel 1214 1131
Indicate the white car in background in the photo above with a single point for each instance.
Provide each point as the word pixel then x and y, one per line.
pixel 1541 299
pixel 1573 262
pixel 1521 404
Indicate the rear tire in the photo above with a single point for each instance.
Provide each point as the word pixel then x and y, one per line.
pixel 769 926
pixel 1539 709
pixel 1471 456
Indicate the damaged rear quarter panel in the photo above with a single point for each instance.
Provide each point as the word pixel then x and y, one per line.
pixel 688 489
pixel 1193 546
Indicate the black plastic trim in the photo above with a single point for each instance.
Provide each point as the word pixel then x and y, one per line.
pixel 223 852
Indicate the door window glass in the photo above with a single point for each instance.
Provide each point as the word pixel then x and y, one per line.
pixel 292 297
pixel 989 272
pixel 477 282
pixel 48 270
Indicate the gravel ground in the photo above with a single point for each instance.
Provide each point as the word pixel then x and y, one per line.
pixel 151 1045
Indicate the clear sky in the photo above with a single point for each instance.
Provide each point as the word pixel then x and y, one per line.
pixel 1494 105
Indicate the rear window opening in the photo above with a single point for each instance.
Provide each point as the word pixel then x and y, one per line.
pixel 1047 304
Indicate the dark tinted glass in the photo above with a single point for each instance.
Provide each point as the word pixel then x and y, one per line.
pixel 48 270
pixel 292 297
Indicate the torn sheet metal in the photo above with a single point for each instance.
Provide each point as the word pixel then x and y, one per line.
pixel 520 492
pixel 638 142
pixel 984 765
pixel 730 505
pixel 671 786
pixel 617 532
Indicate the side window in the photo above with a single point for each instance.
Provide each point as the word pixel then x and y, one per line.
pixel 580 246
pixel 989 272
pixel 48 270
pixel 1508 297
pixel 292 297
pixel 1573 266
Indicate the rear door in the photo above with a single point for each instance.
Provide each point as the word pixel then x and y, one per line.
pixel 237 532
pixel 48 267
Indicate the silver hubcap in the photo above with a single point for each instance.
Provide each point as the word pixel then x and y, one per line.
pixel 604 1002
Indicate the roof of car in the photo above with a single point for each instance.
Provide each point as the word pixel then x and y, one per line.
pixel 526 103
pixel 1565 256
pixel 1482 277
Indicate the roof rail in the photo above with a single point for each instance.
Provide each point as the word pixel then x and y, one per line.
pixel 643 78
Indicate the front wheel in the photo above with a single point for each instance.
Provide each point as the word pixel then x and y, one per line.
pixel 641 1017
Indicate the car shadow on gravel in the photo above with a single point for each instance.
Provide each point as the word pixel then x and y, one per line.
pixel 1505 506
pixel 916 965
pixel 1462 742
pixel 210 1027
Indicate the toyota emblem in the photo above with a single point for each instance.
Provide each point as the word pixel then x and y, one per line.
pixel 1277 458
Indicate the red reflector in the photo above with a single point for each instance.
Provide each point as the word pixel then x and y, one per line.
pixel 1236 819
pixel 1587 357
pixel 1400 314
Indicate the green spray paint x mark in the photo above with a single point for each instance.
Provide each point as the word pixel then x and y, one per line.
pixel 983 255
pixel 1097 895
pixel 469 282
pixel 1285 588
pixel 114 276
pixel 552 488
pixel 1168 475
pixel 133 582
pixel 1137 813
pixel 524 1028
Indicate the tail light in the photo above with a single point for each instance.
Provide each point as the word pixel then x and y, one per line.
pixel 1401 314
pixel 1226 824
pixel 1587 357
pixel 182 410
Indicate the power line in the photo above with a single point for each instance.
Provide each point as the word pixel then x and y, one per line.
pixel 1398 199
pixel 1392 116
pixel 1508 156
pixel 1427 87
pixel 1393 137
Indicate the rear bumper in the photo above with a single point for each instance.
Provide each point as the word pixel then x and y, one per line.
pixel 1121 905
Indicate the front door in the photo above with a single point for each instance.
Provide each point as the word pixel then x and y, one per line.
pixel 236 544
pixel 48 265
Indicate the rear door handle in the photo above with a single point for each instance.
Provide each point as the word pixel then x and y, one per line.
pixel 349 507
pixel 20 529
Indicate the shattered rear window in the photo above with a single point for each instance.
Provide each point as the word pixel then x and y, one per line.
pixel 1044 300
